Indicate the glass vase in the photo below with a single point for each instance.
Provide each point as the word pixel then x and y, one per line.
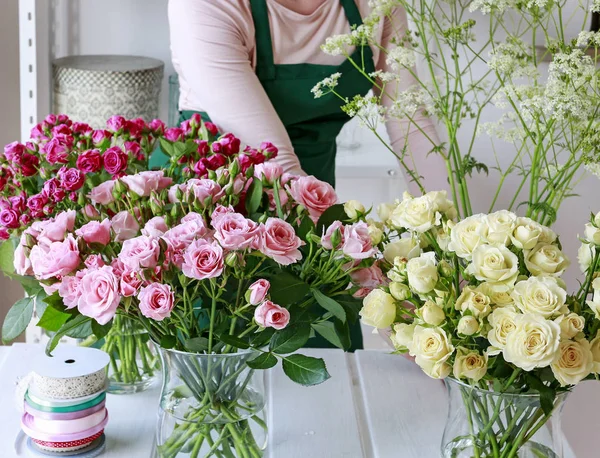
pixel 133 359
pixel 211 405
pixel 488 424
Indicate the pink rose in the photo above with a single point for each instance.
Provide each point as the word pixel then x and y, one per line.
pixel 269 171
pixel 369 277
pixel 18 203
pixel 317 196
pixel 115 160
pixel 116 123
pixel 228 145
pixel 89 161
pixel 140 252
pixel 95 232
pixel 56 228
pixel 214 162
pixel 144 183
pixel 235 232
pixel 269 150
pixel 90 212
pixel 21 261
pixel 221 210
pixel 130 282
pixel 156 301
pixel 172 194
pixel 155 227
pixel 99 294
pixel 280 242
pixel 326 239
pixel 258 291
pixel 71 179
pixel 283 198
pixel 101 138
pixel 14 151
pixel 205 190
pixel 157 126
pixel 56 151
pixel 54 259
pixel 29 164
pixel 361 293
pixel 36 204
pixel 70 291
pixel 9 218
pixel 181 236
pixel 82 129
pixel 203 259
pixel 174 134
pixel 103 193
pixel 357 241
pixel 124 226
pixel 270 315
pixel 94 261
pixel 193 216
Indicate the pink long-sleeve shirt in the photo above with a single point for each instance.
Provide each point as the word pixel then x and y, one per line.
pixel 213 49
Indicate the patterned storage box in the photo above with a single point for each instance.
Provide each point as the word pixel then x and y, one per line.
pixel 91 89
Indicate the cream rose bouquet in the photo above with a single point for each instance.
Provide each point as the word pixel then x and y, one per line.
pixel 481 301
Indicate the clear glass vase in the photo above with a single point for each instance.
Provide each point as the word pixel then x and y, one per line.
pixel 488 424
pixel 134 364
pixel 211 406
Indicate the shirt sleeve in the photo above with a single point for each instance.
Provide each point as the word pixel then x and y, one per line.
pixel 402 132
pixel 214 64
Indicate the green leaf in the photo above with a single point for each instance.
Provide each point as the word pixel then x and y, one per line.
pixel 305 227
pixel 179 149
pixel 101 330
pixel 260 339
pixel 263 361
pixel 168 342
pixel 287 289
pixel 331 332
pixel 334 213
pixel 196 344
pixel 53 319
pixel 17 319
pixel 64 330
pixel 234 341
pixel 7 254
pixel 167 147
pixel 31 286
pixel 330 305
pixel 352 306
pixel 290 339
pixel 254 196
pixel 83 331
pixel 547 393
pixel 305 370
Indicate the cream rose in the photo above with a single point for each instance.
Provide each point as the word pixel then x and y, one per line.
pixel 570 325
pixel 432 348
pixel 498 294
pixel 526 233
pixel 432 314
pixel 469 364
pixel 496 265
pixel 468 325
pixel 402 336
pixel 502 320
pixel 594 304
pixel 354 209
pixel 468 234
pixel 405 248
pixel 574 363
pixel 592 234
pixel 379 309
pixel 533 343
pixel 416 214
pixel 540 295
pixel 500 227
pixel 585 254
pixel 400 291
pixel 474 302
pixel 422 273
pixel 546 259
pixel 375 232
pixel 595 349
pixel 443 205
pixel 439 370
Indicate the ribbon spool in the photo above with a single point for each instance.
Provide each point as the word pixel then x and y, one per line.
pixel 89 448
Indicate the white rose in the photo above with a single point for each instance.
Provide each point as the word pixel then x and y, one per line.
pixel 526 233
pixel 443 205
pixel 533 343
pixel 500 227
pixel 469 364
pixel 439 370
pixel 498 294
pixel 540 295
pixel 595 348
pixel 402 336
pixel 400 291
pixel 495 264
pixel 375 233
pixel 473 301
pixel 415 214
pixel 379 309
pixel 546 259
pixel 442 238
pixel 468 234
pixel 405 248
pixel 432 349
pixel 503 321
pixel 384 211
pixel 574 363
pixel 468 325
pixel 570 325
pixel 432 314
pixel 592 234
pixel 354 209
pixel 594 304
pixel 585 254
pixel 422 273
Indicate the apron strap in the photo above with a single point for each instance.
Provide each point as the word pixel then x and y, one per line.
pixel 265 65
pixel 352 12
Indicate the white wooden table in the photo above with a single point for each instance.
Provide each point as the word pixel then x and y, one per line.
pixel 375 405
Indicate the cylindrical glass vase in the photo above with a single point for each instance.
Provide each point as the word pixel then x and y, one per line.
pixel 211 406
pixel 488 424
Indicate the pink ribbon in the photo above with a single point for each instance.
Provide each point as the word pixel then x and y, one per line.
pixel 30 427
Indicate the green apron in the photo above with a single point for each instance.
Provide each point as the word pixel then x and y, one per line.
pixel 312 124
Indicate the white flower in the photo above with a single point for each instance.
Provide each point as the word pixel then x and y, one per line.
pixel 469 364
pixel 595 348
pixel 405 248
pixel 526 233
pixel 467 235
pixel 595 6
pixel 402 336
pixel 533 343
pixel 499 295
pixel 384 211
pixel 503 321
pixel 400 291
pixel 375 233
pixel 500 227
pixel 432 314
pixel 468 325
pixel 443 204
pixel 546 259
pixel 574 363
pixel 487 6
pixel 540 295
pixel 496 265
pixel 354 209
pixel 379 309
pixel 337 45
pixel 417 214
pixel 328 84
pixel 422 273
pixel 474 302
pixel 400 57
pixel 592 234
pixel 594 304
pixel 585 255
pixel 432 348
pixel 570 325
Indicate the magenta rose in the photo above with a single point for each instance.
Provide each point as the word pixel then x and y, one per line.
pixel 269 150
pixel 369 277
pixel 156 301
pixel 124 225
pixel 14 151
pixel 18 203
pixel 70 290
pixel 133 149
pixel 200 169
pixel 212 129
pixel 89 161
pixel 203 259
pixel 9 218
pixel 82 128
pixel 95 232
pixel 155 227
pixel 317 196
pixel 61 129
pixel 36 204
pixel 140 252
pixel 235 232
pixel 270 315
pixel 101 138
pixel 228 145
pixel 203 147
pixel 269 172
pixel 51 188
pixel 114 160
pixel 326 239
pixel 100 295
pixel 214 162
pixel 56 151
pixel 130 282
pixel 357 241
pixel 144 183
pixel 71 179
pixel 258 291
pixel 157 126
pixel 174 134
pixel 135 127
pixel 37 132
pixel 280 242
pixel 205 190
pixel 29 164
pixel 116 123
pixel 103 193
pixel 21 262
pixel 54 259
